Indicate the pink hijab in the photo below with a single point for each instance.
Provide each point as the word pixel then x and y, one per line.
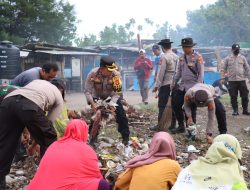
pixel 76 129
pixel 161 147
pixel 69 163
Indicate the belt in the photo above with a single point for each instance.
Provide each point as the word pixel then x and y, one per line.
pixel 18 97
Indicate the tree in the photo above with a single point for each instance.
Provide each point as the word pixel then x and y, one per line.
pixel 118 34
pixel 222 23
pixel 109 35
pixel 23 21
pixel 148 21
pixel 162 32
pixel 89 40
pixel 167 31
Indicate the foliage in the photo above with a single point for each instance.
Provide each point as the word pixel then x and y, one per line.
pixel 222 23
pixel 114 34
pixel 23 21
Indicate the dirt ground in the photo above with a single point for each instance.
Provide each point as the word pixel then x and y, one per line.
pixel 147 116
pixel 236 125
pixel 78 101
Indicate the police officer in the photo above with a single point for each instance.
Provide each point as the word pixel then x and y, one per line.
pixel 103 82
pixel 236 66
pixel 191 71
pixel 27 107
pixel 203 95
pixel 164 77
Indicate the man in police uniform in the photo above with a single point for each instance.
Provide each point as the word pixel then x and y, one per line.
pixel 165 77
pixel 203 95
pixel 191 71
pixel 104 82
pixel 236 66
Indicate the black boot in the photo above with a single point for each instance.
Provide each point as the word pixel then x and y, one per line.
pixel 246 112
pixel 234 104
pixel 171 128
pixel 2 183
pixel 244 102
pixel 125 140
pixel 179 129
pixel 235 112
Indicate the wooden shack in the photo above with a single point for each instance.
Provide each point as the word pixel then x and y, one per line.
pixel 74 63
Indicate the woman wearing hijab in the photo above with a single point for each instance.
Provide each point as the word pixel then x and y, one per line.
pixel 155 170
pixel 219 169
pixel 61 121
pixel 69 163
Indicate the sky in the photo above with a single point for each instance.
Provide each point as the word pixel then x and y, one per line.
pixel 94 15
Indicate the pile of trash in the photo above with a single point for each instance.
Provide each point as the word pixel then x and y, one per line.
pixel 21 173
pixel 113 155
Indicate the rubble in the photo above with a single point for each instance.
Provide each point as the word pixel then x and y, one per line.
pixel 247 130
pixel 113 155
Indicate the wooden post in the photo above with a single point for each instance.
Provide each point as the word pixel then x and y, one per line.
pixel 81 73
pixel 63 66
pixel 218 57
pixel 139 41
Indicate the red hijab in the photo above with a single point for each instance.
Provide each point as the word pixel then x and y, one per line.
pixel 69 163
pixel 161 147
pixel 76 129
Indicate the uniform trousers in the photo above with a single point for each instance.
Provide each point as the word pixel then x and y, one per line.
pixel 17 112
pixel 238 86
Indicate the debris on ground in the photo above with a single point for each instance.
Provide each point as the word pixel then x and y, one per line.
pixel 113 155
pixel 247 130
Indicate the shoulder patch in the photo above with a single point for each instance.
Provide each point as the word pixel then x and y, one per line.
pixel 117 83
pixel 160 62
pixel 186 98
pixel 210 106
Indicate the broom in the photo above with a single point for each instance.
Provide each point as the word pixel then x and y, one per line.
pixel 166 118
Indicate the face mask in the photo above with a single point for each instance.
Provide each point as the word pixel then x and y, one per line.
pixel 236 52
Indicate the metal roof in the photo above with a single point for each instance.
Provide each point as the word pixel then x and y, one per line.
pixel 117 47
pixel 55 52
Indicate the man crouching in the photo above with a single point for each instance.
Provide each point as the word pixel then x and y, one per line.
pixel 103 82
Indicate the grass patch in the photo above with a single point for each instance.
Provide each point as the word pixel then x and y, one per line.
pixel 150 108
pixel 225 99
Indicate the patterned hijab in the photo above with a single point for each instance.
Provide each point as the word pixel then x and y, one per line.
pixel 161 147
